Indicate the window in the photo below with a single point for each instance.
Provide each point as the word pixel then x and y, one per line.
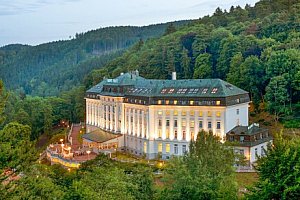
pixel 175 123
pixel 218 114
pixel 192 113
pixel 159 112
pixel 167 122
pixel 208 113
pixel 167 148
pixel 183 123
pixel 171 91
pixel 214 90
pixel 163 91
pixel 192 135
pixel 183 135
pixel 204 91
pixel 209 125
pixel 159 133
pixel 200 114
pixel 175 113
pixel 159 147
pixel 241 138
pixel 175 102
pixel 159 122
pixel 191 102
pixel 200 124
pixel 167 102
pixel 175 135
pixel 237 111
pixel 183 113
pixel 218 125
pixel 256 154
pixel 192 124
pixel 218 103
pixel 184 148
pixel 167 133
pixel 175 148
pixel 262 149
pixel 159 102
pixel 167 112
pixel 145 147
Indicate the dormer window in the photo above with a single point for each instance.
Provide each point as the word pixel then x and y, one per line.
pixel 204 90
pixel 214 90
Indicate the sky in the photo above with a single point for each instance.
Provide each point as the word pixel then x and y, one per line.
pixel 38 21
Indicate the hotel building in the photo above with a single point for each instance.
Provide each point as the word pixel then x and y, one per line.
pixel 158 118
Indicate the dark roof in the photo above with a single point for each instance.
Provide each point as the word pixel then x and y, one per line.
pixel 139 86
pixel 100 136
pixel 247 130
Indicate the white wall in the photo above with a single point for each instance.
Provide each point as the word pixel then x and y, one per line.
pixel 233 119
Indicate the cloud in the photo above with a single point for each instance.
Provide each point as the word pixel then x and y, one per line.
pixel 15 7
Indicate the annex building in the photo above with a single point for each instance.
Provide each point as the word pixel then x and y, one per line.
pixel 159 117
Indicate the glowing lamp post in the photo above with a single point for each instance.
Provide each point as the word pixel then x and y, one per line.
pixel 88 153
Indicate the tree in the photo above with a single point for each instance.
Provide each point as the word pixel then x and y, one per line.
pixel 3 99
pixel 279 174
pixel 170 29
pixel 277 97
pixel 16 149
pixel 203 66
pixel 206 172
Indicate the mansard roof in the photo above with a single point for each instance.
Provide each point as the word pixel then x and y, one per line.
pixel 135 85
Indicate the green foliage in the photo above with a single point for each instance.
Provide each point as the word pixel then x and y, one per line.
pixel 16 149
pixel 206 172
pixel 279 174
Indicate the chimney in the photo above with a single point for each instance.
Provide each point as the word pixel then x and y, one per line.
pixel 173 75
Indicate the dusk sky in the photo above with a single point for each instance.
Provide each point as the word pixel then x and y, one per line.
pixel 39 21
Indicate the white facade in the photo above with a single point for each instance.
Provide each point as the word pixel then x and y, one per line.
pixel 165 130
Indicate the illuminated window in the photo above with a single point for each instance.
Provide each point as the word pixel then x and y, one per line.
pixel 183 135
pixel 175 113
pixel 175 102
pixel 192 135
pixel 191 102
pixel 167 148
pixel 218 114
pixel 204 91
pixel 159 148
pixel 167 133
pixel 175 135
pixel 159 133
pixel 175 148
pixel 192 124
pixel 145 147
pixel 183 113
pixel 218 103
pixel 183 123
pixel 200 114
pixel 192 113
pixel 159 112
pixel 167 102
pixel 167 112
pixel 209 113
pixel 159 102
pixel 214 90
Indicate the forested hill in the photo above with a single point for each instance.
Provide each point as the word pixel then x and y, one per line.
pixel 50 68
pixel 256 48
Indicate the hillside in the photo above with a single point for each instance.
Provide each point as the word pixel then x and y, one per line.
pixel 48 69
pixel 256 48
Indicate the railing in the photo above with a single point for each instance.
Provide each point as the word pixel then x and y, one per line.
pixel 57 158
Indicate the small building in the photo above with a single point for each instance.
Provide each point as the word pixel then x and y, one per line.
pixel 250 141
